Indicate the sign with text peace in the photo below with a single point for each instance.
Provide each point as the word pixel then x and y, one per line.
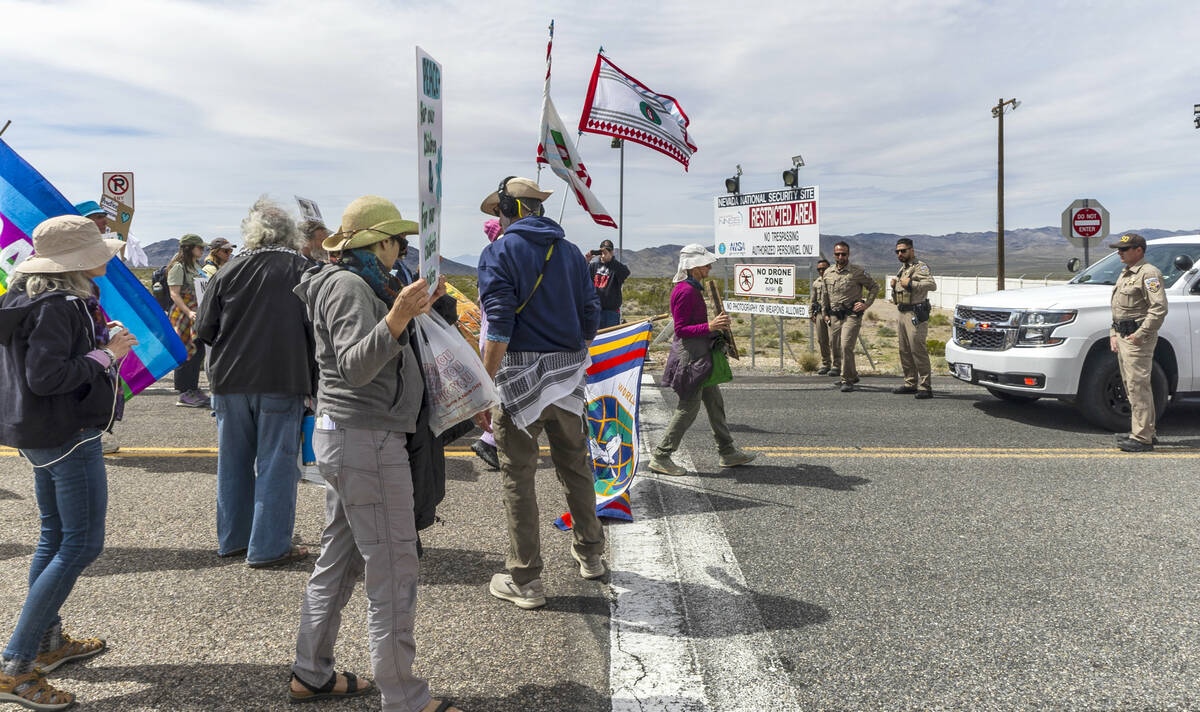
pixel 429 164
pixel 773 223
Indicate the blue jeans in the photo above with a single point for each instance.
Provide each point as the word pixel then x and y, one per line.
pixel 258 444
pixel 609 318
pixel 72 497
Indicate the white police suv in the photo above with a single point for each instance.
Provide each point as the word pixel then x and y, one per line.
pixel 1052 342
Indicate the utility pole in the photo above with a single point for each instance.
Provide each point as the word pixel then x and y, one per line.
pixel 998 113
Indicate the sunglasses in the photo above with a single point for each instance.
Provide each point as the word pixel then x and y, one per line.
pixel 901 250
pixel 841 254
pixel 1122 249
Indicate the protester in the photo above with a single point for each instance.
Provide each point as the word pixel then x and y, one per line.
pixel 313 233
pixel 485 446
pixel 260 369
pixel 58 366
pixel 609 276
pixel 690 363
pixel 368 401
pixel 542 314
pixel 219 252
pixel 182 271
pixel 91 210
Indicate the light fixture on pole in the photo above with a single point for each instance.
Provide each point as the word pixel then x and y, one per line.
pixel 734 183
pixel 1196 119
pixel 998 113
pixel 791 177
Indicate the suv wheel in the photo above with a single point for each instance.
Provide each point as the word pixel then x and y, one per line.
pixel 1102 399
pixel 1012 397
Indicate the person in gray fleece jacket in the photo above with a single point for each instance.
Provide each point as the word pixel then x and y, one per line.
pixel 368 400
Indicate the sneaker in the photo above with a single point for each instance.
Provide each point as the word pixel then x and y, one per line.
pixel 665 466
pixel 528 596
pixel 71 650
pixel 109 445
pixel 822 370
pixel 924 394
pixel 590 567
pixel 192 399
pixel 834 372
pixel 487 453
pixel 1134 445
pixel 31 690
pixel 736 458
pixel 847 386
pixel 904 389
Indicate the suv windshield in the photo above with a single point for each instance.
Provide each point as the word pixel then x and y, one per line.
pixel 1163 257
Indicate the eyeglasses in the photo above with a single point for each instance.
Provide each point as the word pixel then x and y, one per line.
pixel 901 250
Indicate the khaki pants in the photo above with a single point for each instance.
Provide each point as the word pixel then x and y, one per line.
pixel 518 453
pixel 829 356
pixel 914 355
pixel 1136 363
pixel 845 336
pixel 685 414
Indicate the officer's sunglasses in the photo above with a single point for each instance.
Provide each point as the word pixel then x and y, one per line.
pixel 841 254
pixel 1122 249
pixel 901 250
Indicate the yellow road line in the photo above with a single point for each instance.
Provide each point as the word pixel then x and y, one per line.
pixel 1015 455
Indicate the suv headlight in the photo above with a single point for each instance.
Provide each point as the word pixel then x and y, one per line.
pixel 1036 327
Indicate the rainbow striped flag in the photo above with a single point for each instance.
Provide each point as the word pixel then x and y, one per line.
pixel 613 391
pixel 26 199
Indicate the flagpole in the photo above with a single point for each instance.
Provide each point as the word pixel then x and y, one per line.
pixel 6 125
pixel 621 210
pixel 658 317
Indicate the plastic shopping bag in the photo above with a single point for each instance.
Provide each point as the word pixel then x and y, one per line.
pixel 456 383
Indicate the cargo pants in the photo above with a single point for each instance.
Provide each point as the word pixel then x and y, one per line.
pixel 845 335
pixel 830 356
pixel 1136 364
pixel 914 354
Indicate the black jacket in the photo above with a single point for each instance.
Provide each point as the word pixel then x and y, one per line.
pixel 608 278
pixel 261 338
pixel 50 388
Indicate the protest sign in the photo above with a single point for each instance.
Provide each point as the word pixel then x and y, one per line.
pixel 429 164
pixel 116 197
pixel 309 210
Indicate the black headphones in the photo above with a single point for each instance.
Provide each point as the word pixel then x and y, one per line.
pixel 509 206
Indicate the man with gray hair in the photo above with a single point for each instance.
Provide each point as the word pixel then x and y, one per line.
pixel 261 370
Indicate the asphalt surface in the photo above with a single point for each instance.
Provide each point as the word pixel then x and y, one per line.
pixel 882 553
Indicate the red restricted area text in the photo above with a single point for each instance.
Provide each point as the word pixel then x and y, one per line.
pixel 785 214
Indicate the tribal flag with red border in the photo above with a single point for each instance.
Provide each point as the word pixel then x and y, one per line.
pixel 557 150
pixel 619 105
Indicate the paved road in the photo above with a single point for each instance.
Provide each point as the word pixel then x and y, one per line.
pixel 882 553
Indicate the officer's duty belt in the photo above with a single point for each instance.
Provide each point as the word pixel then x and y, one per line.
pixel 1125 327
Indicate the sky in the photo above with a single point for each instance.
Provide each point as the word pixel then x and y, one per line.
pixel 212 104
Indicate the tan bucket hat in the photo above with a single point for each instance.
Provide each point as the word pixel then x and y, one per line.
pixel 368 220
pixel 517 188
pixel 68 243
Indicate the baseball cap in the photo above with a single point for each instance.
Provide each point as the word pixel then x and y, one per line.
pixel 1129 239
pixel 606 245
pixel 88 208
pixel 221 244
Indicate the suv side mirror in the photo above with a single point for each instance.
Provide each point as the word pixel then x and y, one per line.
pixel 1074 262
pixel 1183 263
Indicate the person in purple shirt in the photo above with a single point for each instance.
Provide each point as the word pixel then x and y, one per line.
pixel 689 364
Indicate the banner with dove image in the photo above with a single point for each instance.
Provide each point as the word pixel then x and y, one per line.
pixel 612 392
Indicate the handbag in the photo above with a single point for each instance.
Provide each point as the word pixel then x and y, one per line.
pixel 721 373
pixel 457 386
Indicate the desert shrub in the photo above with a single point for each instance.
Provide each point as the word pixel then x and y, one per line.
pixel 886 331
pixel 796 335
pixel 939 320
pixel 872 316
pixel 809 361
pixel 936 348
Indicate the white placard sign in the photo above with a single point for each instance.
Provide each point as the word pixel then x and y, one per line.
pixel 794 311
pixel 765 281
pixel 309 210
pixel 773 223
pixel 429 164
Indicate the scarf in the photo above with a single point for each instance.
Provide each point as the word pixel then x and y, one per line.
pixel 365 264
pixel 99 319
pixel 529 382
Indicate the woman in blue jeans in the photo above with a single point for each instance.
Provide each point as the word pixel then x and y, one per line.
pixel 58 366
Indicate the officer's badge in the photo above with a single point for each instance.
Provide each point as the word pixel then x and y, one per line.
pixel 1125 238
pixel 923 270
pixel 1153 285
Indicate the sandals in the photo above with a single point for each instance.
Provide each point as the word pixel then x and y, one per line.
pixel 31 690
pixel 296 553
pixel 325 692
pixel 71 649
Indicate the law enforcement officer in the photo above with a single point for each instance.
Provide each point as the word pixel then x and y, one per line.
pixel 828 355
pixel 843 304
pixel 910 289
pixel 1139 306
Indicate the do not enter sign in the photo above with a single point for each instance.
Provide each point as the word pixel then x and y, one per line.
pixel 1085 220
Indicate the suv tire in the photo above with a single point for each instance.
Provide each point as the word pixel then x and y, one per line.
pixel 1011 397
pixel 1102 400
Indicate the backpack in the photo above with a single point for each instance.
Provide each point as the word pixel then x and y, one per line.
pixel 159 288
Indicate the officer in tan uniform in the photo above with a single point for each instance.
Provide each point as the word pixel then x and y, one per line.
pixel 843 304
pixel 819 325
pixel 1139 306
pixel 910 289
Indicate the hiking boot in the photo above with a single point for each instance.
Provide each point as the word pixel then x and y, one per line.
pixel 528 596
pixel 590 567
pixel 487 453
pixel 192 399
pixel 923 394
pixel 847 386
pixel 835 371
pixel 736 458
pixel 904 389
pixel 822 370
pixel 665 466
pixel 71 649
pixel 1134 445
pixel 31 690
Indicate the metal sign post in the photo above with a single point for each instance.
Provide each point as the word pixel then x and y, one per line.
pixel 1083 222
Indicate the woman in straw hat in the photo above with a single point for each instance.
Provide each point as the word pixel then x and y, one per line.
pixel 689 364
pixel 58 374
pixel 367 405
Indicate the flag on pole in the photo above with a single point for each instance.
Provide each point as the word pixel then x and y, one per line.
pixel 613 391
pixel 557 150
pixel 26 199
pixel 619 105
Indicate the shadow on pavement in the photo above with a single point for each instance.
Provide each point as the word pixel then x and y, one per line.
pixel 795 475
pixel 134 559
pixel 10 550
pixel 1045 413
pixel 463 470
pixel 201 464
pixel 459 566
pixel 574 697
pixel 6 494
pixel 720 502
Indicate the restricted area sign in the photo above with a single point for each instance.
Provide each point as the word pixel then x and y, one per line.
pixel 1085 220
pixel 794 311
pixel 773 223
pixel 765 281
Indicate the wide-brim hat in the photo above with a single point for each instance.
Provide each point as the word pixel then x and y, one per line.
pixel 691 257
pixel 1129 239
pixel 517 188
pixel 68 243
pixel 368 220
